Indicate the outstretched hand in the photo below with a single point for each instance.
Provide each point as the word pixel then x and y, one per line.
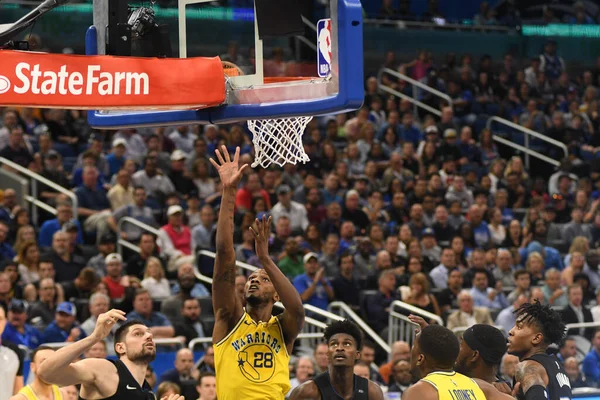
pixel 229 171
pixel 106 322
pixel 261 236
pixel 415 319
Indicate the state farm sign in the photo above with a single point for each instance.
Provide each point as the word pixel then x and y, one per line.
pixel 105 82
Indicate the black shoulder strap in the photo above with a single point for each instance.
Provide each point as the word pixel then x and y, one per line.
pixel 324 385
pixel 361 388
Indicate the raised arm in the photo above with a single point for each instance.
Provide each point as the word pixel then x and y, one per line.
pixel 533 379
pixel 292 319
pixel 226 305
pixel 59 368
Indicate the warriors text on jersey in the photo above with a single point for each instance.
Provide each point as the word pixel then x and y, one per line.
pixel 29 394
pixel 454 386
pixel 252 361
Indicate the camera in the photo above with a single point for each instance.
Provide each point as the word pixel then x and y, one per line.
pixel 142 21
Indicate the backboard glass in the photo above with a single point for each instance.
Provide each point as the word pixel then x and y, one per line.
pixel 269 87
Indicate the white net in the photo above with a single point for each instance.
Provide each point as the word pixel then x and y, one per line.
pixel 278 141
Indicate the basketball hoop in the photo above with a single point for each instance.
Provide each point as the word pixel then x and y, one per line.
pixel 278 141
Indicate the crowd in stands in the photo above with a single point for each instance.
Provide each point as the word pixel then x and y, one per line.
pixel 394 205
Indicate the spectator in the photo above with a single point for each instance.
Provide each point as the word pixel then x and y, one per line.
pixel 484 296
pixel 53 171
pixel 352 211
pixel 467 315
pixel 504 272
pixel 203 233
pixel 400 352
pixel 106 246
pixel 576 227
pixel 183 375
pixel 522 285
pixel 304 369
pixel 97 351
pixel 192 326
pixel 207 362
pixel 419 295
pixel 448 298
pixel 552 289
pixel 155 281
pixel 178 233
pixel 66 264
pixel 439 274
pixel 17 331
pixel 179 176
pixel 41 313
pixel 64 328
pixel 82 286
pixel 185 287
pixel 7 205
pixel 292 264
pixel 15 150
pixel 575 376
pixel 550 63
pixel 567 349
pixel 92 203
pixel 156 185
pixel 401 376
pixel 331 255
pixel 443 231
pixel 506 318
pixel 345 286
pixel 207 386
pixel 251 189
pixel 64 214
pixel 137 263
pixel 377 305
pixel 430 249
pixel 142 309
pixel 313 286
pixel 114 280
pixel 12 364
pixel 293 210
pixel 591 363
pixel 7 253
pixel 99 304
pixel 116 159
pixel 367 355
pixel 576 312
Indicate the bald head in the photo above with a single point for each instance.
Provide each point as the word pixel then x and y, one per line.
pixel 400 351
pixel 184 361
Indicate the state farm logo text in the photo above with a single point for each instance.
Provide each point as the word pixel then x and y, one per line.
pixel 63 82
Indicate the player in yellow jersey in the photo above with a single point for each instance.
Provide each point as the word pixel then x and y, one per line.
pixel 38 389
pixel 433 355
pixel 252 347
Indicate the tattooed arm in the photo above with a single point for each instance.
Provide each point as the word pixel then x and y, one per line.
pixel 226 304
pixel 529 374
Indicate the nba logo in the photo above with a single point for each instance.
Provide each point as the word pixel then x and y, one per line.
pixel 324 47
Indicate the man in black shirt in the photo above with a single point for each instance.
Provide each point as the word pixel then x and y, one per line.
pixel 16 151
pixel 448 298
pixel 345 287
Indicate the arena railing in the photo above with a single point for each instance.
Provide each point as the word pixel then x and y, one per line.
pixel 313 325
pixel 400 327
pixel 34 197
pixel 527 133
pixel 415 92
pixel 403 24
pixel 344 310
pixel 124 243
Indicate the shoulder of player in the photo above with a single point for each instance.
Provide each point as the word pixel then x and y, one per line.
pixel 307 390
pixel 421 391
pixel 100 366
pixel 530 373
pixel 375 392
pixel 490 391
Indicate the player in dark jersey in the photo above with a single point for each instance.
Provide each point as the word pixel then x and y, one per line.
pixel 539 375
pixel 104 379
pixel 344 341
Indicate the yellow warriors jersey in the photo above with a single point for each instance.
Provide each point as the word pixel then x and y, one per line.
pixel 454 386
pixel 29 394
pixel 252 361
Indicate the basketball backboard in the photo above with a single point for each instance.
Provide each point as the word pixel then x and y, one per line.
pixel 255 94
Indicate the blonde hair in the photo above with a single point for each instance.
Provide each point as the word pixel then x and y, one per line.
pixel 535 255
pixel 509 168
pixel 161 270
pixel 580 244
pixel 19 242
pixel 164 387
pixel 23 252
